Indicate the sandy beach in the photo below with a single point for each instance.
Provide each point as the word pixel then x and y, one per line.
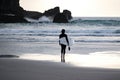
pixel 35 63
pixel 18 69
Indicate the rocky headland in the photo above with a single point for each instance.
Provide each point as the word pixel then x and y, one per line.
pixel 12 12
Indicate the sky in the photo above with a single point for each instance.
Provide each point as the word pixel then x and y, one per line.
pixel 79 8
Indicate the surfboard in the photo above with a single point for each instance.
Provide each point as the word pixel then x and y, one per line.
pixel 64 41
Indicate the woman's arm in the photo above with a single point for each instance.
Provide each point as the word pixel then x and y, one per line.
pixel 59 39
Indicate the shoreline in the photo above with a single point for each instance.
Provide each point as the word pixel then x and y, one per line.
pixel 104 60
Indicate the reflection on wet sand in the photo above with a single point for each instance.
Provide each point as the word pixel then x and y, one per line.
pixel 108 59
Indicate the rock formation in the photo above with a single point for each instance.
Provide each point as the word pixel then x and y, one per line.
pixel 10 11
pixel 60 18
pixel 52 12
pixel 63 17
pixel 33 14
pixel 67 13
pixel 48 13
pixel 10 7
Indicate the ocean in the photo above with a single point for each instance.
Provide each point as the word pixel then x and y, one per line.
pixel 91 35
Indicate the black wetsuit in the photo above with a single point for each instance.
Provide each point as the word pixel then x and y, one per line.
pixel 63 47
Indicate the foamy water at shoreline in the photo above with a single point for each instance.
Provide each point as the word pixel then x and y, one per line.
pixel 107 59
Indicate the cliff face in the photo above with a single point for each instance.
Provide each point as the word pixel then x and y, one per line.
pixel 10 11
pixel 11 7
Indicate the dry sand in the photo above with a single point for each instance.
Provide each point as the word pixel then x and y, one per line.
pixel 18 69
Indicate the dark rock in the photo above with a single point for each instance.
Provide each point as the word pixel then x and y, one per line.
pixel 8 56
pixel 10 11
pixel 60 18
pixel 33 14
pixel 52 12
pixel 10 18
pixel 11 7
pixel 67 13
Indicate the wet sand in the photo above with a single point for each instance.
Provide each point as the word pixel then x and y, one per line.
pixel 19 69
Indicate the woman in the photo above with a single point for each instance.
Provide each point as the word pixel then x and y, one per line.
pixel 63 46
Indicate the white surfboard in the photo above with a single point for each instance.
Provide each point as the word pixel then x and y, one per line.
pixel 64 41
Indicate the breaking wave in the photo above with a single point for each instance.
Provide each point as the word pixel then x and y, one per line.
pixel 103 22
pixel 81 29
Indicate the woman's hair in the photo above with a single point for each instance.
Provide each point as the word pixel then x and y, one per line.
pixel 63 30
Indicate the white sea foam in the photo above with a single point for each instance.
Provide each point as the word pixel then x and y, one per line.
pixel 31 31
pixel 41 19
pixel 44 19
